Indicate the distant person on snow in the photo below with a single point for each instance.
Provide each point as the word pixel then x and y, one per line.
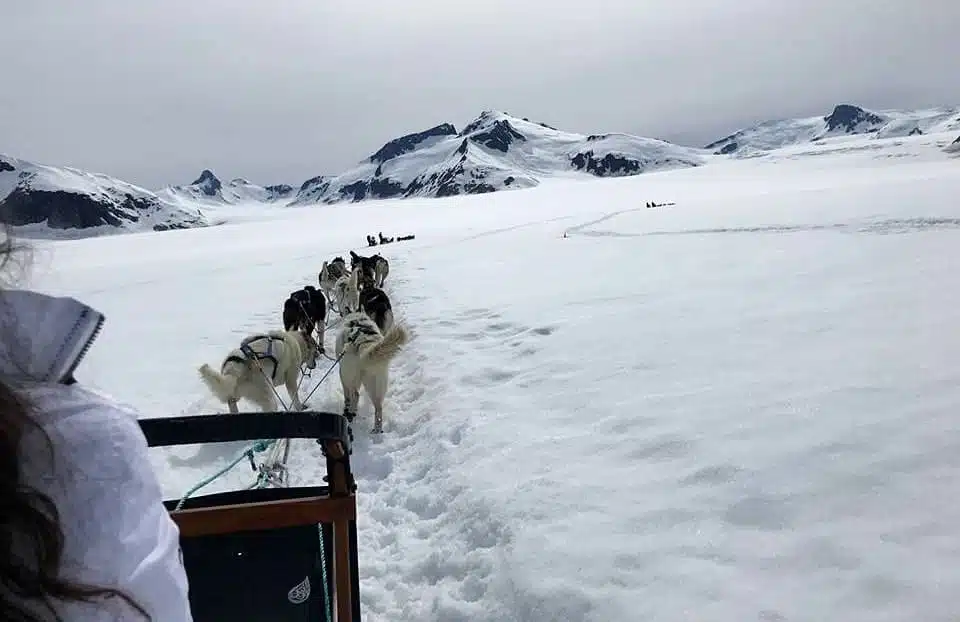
pixel 84 534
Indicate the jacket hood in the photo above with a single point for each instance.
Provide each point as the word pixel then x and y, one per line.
pixel 43 338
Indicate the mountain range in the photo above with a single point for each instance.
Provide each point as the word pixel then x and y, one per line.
pixel 494 152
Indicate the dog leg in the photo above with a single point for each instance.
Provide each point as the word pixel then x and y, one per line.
pixel 376 387
pixel 263 396
pixel 232 405
pixel 291 383
pixel 321 333
pixel 350 398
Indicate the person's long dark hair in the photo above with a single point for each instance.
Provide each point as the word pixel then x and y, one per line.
pixel 31 536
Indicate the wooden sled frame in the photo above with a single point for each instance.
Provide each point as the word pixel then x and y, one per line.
pixel 333 506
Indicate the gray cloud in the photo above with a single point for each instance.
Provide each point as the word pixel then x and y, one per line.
pixel 152 91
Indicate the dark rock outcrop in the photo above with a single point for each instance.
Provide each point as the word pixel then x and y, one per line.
pixel 610 165
pixel 208 183
pixel 500 136
pixel 278 191
pixel 848 118
pixel 406 144
pixel 377 188
pixel 69 210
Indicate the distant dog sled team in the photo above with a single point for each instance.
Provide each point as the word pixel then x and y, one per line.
pixel 367 342
pixel 373 240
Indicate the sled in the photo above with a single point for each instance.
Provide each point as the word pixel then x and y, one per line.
pixel 277 554
pixel 404 238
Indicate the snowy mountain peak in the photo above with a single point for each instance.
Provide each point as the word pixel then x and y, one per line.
pixel 850 119
pixel 207 183
pixel 495 151
pixel 493 121
pixel 844 120
pixel 487 117
pixel 208 189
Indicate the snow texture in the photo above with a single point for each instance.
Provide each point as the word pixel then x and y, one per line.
pixel 737 407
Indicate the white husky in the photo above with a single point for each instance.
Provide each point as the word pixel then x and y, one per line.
pixel 330 273
pixel 261 363
pixel 366 354
pixel 381 268
pixel 348 293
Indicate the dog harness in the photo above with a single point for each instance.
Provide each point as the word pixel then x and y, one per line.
pixel 249 354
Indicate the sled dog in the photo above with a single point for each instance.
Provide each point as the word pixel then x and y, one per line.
pixel 306 309
pixel 381 268
pixel 366 266
pixel 348 293
pixel 262 362
pixel 329 274
pixel 365 358
pixel 376 304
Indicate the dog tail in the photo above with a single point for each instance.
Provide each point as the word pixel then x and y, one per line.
pixel 388 347
pixel 223 387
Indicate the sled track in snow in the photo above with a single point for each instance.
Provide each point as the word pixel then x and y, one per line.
pixel 876 227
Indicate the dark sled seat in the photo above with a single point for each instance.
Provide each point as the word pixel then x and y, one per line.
pixel 277 554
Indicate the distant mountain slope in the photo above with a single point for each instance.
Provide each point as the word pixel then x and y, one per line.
pixel 66 199
pixel 494 152
pixel 209 189
pixel 845 120
pixel 953 147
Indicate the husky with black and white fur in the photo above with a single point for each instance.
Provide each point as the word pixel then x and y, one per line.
pixel 261 363
pixel 376 304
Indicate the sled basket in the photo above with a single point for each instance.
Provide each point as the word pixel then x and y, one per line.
pixel 277 554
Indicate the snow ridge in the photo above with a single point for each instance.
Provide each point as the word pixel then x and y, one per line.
pixel 844 120
pixel 208 189
pixel 43 200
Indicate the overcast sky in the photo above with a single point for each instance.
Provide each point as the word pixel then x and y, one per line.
pixel 152 91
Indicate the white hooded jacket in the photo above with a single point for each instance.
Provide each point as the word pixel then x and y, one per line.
pixel 117 532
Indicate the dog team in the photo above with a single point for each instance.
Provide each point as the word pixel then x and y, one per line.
pixel 368 340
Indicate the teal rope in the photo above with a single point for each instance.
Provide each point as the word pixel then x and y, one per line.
pixel 327 610
pixel 258 447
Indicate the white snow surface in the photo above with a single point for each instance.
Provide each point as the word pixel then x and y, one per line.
pixel 739 407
